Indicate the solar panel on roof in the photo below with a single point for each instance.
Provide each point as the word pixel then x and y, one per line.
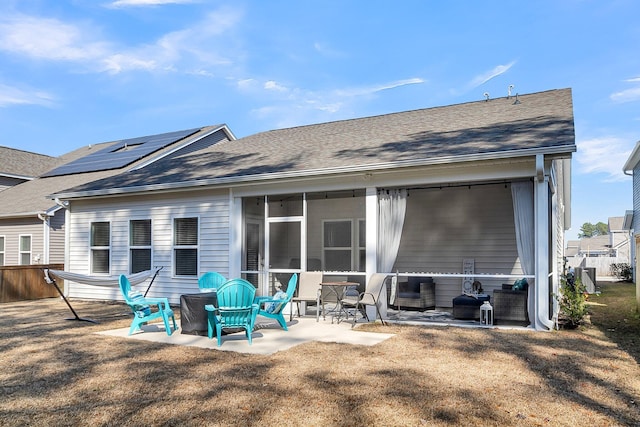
pixel 121 153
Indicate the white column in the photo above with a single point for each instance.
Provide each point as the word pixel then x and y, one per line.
pixel 540 304
pixel 372 246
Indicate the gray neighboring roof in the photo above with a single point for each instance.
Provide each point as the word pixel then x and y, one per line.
pixel 24 164
pixel 498 128
pixel 31 197
pixel 615 223
pixel 595 243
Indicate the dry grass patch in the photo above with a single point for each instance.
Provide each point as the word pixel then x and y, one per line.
pixel 58 372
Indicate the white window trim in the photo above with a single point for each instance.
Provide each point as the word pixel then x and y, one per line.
pixel 174 246
pixel 2 249
pixel 92 248
pixel 21 252
pixel 150 246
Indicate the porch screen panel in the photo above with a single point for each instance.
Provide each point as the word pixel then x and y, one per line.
pixel 284 245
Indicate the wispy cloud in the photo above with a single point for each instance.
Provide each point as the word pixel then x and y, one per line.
pixel 369 90
pixel 138 3
pixel 485 77
pixel 49 39
pixel 294 106
pixel 628 95
pixel 13 96
pixel 198 47
pixel 604 155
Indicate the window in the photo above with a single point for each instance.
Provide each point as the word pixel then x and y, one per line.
pixel 185 246
pixel 337 245
pixel 139 245
pixel 100 247
pixel 1 250
pixel 25 250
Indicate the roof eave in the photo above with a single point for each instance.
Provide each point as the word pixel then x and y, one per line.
pixel 633 159
pixel 557 152
pixel 23 214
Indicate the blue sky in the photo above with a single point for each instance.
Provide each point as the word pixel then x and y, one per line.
pixel 78 72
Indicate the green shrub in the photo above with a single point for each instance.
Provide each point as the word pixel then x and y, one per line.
pixel 572 301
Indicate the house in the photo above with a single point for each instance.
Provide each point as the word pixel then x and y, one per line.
pixel 32 226
pixel 632 218
pixel 18 166
pixel 421 192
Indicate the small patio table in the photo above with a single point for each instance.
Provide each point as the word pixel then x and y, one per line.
pixel 338 289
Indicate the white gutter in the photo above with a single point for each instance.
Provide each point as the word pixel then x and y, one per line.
pixel 317 172
pixel 10 175
pixel 632 161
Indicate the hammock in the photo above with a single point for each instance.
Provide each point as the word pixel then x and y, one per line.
pixel 134 279
pixel 110 281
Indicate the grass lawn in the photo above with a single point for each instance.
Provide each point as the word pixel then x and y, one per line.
pixel 57 372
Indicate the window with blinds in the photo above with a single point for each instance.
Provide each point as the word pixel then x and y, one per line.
pixel 139 245
pixel 185 246
pixel 1 250
pixel 25 249
pixel 100 243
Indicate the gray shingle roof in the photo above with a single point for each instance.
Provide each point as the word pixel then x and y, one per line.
pixel 32 196
pixel 540 121
pixel 24 163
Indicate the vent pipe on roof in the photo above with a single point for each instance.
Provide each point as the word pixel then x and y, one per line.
pixel 509 91
pixel 486 95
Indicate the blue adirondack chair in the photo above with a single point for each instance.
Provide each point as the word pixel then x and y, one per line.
pixel 210 281
pixel 235 309
pixel 141 307
pixel 273 306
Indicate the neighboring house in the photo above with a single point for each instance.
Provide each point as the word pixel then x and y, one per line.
pixel 32 226
pixel 416 191
pixel 600 252
pixel 18 166
pixel 632 218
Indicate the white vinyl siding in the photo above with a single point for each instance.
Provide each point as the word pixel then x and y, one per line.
pixel 56 237
pixel 212 210
pixel 12 229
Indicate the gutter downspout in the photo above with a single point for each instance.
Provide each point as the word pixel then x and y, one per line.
pixel 46 237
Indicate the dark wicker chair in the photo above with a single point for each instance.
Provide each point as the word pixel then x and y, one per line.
pixel 510 305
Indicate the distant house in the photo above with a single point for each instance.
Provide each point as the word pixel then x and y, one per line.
pixel 600 252
pixel 32 226
pixel 18 166
pixel 417 192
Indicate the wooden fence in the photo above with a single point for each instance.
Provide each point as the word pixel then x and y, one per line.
pixel 26 282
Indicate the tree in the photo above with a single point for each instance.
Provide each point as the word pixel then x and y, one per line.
pixel 591 230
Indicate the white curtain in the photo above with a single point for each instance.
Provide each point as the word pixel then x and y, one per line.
pixel 392 206
pixel 523 214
